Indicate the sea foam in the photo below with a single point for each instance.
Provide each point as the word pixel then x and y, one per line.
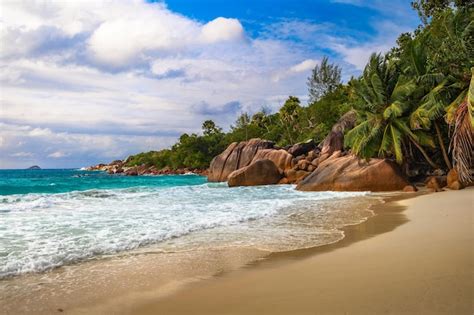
pixel 41 231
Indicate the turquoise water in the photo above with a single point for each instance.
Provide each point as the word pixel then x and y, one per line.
pixel 60 181
pixel 51 218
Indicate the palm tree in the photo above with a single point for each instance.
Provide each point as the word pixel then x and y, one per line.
pixel 443 58
pixel 416 65
pixel 385 96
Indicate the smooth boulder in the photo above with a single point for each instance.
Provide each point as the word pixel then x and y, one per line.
pixel 261 172
pixel 349 173
pixel 236 156
pixel 453 181
pixel 281 158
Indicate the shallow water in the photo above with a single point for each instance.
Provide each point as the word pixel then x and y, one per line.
pixel 90 215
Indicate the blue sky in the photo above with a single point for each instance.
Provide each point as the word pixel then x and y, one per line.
pixel 85 82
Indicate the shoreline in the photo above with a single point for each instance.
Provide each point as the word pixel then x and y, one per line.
pixel 142 292
pixel 138 302
pixel 134 275
pixel 423 266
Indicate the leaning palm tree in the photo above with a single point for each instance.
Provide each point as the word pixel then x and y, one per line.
pixel 385 101
pixel 445 60
pixel 462 140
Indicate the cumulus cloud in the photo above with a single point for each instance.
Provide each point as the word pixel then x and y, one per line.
pixel 86 82
pixel 222 29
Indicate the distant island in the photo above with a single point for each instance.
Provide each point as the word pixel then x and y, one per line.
pixel 34 167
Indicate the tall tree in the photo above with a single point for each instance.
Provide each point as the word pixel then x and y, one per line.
pixel 289 114
pixel 429 8
pixel 210 128
pixel 324 79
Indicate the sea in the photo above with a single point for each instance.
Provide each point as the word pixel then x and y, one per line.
pixel 52 218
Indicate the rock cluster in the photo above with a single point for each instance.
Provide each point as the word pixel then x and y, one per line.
pixel 118 167
pixel 312 167
pixel 436 183
pixel 293 162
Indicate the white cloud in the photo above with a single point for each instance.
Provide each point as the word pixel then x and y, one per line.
pixel 99 80
pixel 222 29
pixel 301 68
pixel 39 132
pixel 58 154
pixel 22 155
pixel 305 65
pixel 357 54
pixel 89 82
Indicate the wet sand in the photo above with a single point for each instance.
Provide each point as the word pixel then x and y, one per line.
pixel 424 265
pixel 414 256
pixel 120 283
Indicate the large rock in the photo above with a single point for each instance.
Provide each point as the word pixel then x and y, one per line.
pixel 236 156
pixel 436 183
pixel 260 172
pixel 349 173
pixel 281 158
pixel 302 148
pixel 334 141
pixel 453 181
pixel 295 176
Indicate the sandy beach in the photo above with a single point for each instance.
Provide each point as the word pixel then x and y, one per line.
pixel 415 256
pixel 424 266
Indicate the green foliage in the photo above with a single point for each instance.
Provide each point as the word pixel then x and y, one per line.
pixel 386 98
pixel 430 8
pixel 404 100
pixel 191 151
pixel 324 79
pixel 420 82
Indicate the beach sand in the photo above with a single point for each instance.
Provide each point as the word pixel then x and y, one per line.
pixel 414 256
pixel 416 261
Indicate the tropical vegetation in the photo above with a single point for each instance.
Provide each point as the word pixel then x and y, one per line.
pixel 414 104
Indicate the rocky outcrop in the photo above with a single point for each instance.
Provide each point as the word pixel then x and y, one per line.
pixel 119 167
pixel 349 173
pixel 260 172
pixel 236 156
pixel 302 148
pixel 334 141
pixel 295 175
pixel 281 158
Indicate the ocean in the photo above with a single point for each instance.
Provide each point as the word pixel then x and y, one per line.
pixel 54 218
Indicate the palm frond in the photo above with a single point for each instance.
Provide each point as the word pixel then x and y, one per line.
pixel 396 143
pixel 462 144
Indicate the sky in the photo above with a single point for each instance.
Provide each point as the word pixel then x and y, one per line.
pixel 83 82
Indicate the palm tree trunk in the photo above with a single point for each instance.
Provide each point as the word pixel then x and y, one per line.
pixel 425 155
pixel 441 144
